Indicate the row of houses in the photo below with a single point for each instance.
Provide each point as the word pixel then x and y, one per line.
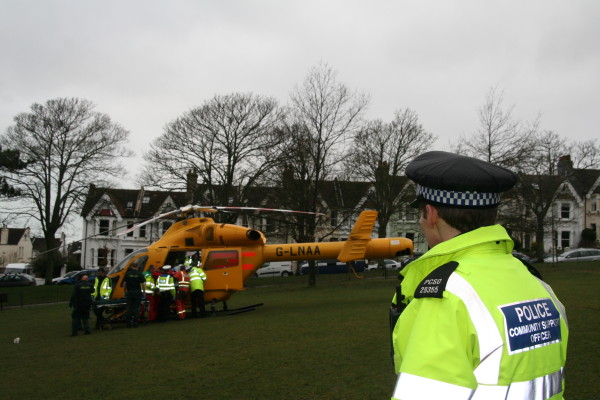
pixel 108 212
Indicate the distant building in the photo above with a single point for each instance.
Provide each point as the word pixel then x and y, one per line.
pixel 15 246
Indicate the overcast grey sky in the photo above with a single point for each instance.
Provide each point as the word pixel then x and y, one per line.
pixel 144 63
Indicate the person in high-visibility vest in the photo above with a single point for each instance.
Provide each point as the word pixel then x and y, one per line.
pixel 197 278
pixel 183 288
pixel 102 291
pixel 149 291
pixel 166 289
pixel 474 322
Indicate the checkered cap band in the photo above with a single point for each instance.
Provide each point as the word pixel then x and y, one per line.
pixel 458 199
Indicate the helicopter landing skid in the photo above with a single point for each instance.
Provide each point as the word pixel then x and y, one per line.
pixel 234 311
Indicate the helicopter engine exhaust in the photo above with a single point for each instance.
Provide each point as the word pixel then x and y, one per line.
pixel 253 235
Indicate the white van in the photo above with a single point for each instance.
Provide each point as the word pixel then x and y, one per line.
pixel 18 268
pixel 275 268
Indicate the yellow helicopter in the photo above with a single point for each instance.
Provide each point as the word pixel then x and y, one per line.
pixel 231 253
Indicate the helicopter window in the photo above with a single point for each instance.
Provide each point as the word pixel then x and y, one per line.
pixel 175 258
pixel 221 259
pixel 124 262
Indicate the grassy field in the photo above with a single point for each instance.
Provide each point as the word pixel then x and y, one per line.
pixel 326 342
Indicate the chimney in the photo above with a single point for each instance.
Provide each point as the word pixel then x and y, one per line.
pixel 565 165
pixel 191 186
pixel 138 203
pixel 4 235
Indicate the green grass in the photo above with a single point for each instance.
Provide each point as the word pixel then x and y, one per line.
pixel 325 342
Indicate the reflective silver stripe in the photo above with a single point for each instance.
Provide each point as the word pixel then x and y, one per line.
pixel 559 305
pixel 413 387
pixel 488 335
pixel 541 388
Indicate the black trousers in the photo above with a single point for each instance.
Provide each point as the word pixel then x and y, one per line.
pixel 164 306
pixel 134 300
pixel 80 316
pixel 197 301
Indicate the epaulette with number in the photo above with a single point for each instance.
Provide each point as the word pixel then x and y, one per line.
pixel 435 283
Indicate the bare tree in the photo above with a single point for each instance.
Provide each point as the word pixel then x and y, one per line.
pixel 230 142
pixel 500 139
pixel 539 182
pixel 586 154
pixel 324 113
pixel 67 145
pixel 379 155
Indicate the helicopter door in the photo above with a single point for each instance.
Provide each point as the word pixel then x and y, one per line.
pixel 223 270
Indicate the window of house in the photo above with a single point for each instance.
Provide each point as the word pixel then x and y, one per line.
pixel 104 227
pixel 334 218
pixel 595 204
pixel 146 200
pixel 412 214
pixel 166 225
pixel 565 239
pixel 143 231
pixel 128 251
pixel 410 235
pixel 269 225
pixel 565 210
pixel 129 226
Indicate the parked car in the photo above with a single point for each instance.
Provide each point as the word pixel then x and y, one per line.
pixel 275 268
pixel 10 280
pixel 387 264
pixel 70 278
pixel 332 267
pixel 522 257
pixel 576 255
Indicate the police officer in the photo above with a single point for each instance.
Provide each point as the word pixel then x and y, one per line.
pixel 477 323
pixel 134 285
pixel 197 278
pixel 80 303
pixel 102 292
pixel 151 297
pixel 166 289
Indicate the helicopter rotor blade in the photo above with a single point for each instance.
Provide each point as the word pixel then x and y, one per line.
pixel 267 210
pixel 211 209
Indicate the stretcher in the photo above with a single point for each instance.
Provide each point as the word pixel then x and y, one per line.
pixel 115 311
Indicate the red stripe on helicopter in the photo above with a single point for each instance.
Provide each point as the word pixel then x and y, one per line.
pixel 248 253
pixel 248 267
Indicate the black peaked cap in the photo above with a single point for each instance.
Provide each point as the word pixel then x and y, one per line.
pixel 448 171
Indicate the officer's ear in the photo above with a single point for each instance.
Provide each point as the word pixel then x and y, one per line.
pixel 430 215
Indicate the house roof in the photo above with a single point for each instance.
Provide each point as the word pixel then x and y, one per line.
pixel 583 180
pixel 126 200
pixel 39 244
pixel 15 235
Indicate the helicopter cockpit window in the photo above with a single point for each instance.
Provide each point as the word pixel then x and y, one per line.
pixel 124 262
pixel 221 259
